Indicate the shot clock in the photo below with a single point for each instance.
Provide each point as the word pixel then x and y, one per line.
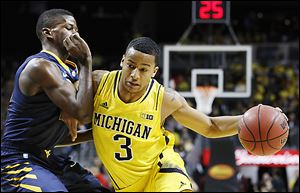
pixel 210 12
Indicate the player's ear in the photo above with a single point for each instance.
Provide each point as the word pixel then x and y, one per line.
pixel 155 71
pixel 47 32
pixel 123 59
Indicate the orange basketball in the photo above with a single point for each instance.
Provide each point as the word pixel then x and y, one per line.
pixel 263 130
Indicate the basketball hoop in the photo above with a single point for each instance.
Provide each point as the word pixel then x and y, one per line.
pixel 204 96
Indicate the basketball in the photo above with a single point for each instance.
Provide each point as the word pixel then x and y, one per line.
pixel 263 130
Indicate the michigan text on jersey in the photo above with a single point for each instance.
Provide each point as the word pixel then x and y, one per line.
pixel 122 125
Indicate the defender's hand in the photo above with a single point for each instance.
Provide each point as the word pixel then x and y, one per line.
pixel 71 123
pixel 77 48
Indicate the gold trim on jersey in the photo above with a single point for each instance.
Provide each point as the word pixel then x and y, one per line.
pixel 66 67
pixel 25 169
pixel 30 176
pixel 17 173
pixel 29 187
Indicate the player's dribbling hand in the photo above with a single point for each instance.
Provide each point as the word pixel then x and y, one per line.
pixel 71 123
pixel 77 47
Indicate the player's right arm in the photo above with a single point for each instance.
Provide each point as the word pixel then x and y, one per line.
pixel 72 123
pixel 43 75
pixel 96 79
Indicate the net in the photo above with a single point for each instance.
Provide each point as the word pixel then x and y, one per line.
pixel 204 96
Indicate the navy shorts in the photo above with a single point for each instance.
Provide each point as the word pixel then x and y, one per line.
pixel 44 173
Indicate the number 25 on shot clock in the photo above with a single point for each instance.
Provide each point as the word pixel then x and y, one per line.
pixel 211 12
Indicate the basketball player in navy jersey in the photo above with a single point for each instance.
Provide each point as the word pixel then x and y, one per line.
pixel 43 88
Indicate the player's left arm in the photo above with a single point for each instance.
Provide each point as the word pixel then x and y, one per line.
pixel 210 127
pixel 71 122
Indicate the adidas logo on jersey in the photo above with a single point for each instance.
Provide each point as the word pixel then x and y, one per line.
pixel 104 105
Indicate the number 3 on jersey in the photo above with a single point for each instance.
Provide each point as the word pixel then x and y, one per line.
pixel 125 145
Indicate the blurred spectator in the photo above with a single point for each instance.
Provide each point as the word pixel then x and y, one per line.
pixel 266 183
pixel 246 184
pixel 277 182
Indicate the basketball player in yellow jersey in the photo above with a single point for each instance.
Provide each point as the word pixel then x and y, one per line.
pixel 130 108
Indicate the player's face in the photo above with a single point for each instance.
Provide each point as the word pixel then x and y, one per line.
pixel 137 70
pixel 64 28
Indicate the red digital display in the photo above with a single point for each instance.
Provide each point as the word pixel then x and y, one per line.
pixel 210 11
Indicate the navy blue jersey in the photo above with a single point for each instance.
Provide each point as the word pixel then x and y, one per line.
pixel 34 120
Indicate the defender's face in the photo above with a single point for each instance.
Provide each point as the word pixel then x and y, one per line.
pixel 65 27
pixel 137 70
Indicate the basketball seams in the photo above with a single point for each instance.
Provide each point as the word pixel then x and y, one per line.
pixel 258 120
pixel 270 130
pixel 265 139
pixel 250 133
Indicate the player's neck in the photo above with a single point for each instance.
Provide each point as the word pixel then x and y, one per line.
pixel 57 52
pixel 128 97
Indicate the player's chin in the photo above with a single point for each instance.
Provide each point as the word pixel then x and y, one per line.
pixel 134 90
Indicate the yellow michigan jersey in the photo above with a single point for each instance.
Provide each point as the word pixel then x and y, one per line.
pixel 129 138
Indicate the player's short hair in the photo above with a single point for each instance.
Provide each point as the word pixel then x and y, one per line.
pixel 145 45
pixel 49 19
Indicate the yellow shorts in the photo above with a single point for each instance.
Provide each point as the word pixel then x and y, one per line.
pixel 167 175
